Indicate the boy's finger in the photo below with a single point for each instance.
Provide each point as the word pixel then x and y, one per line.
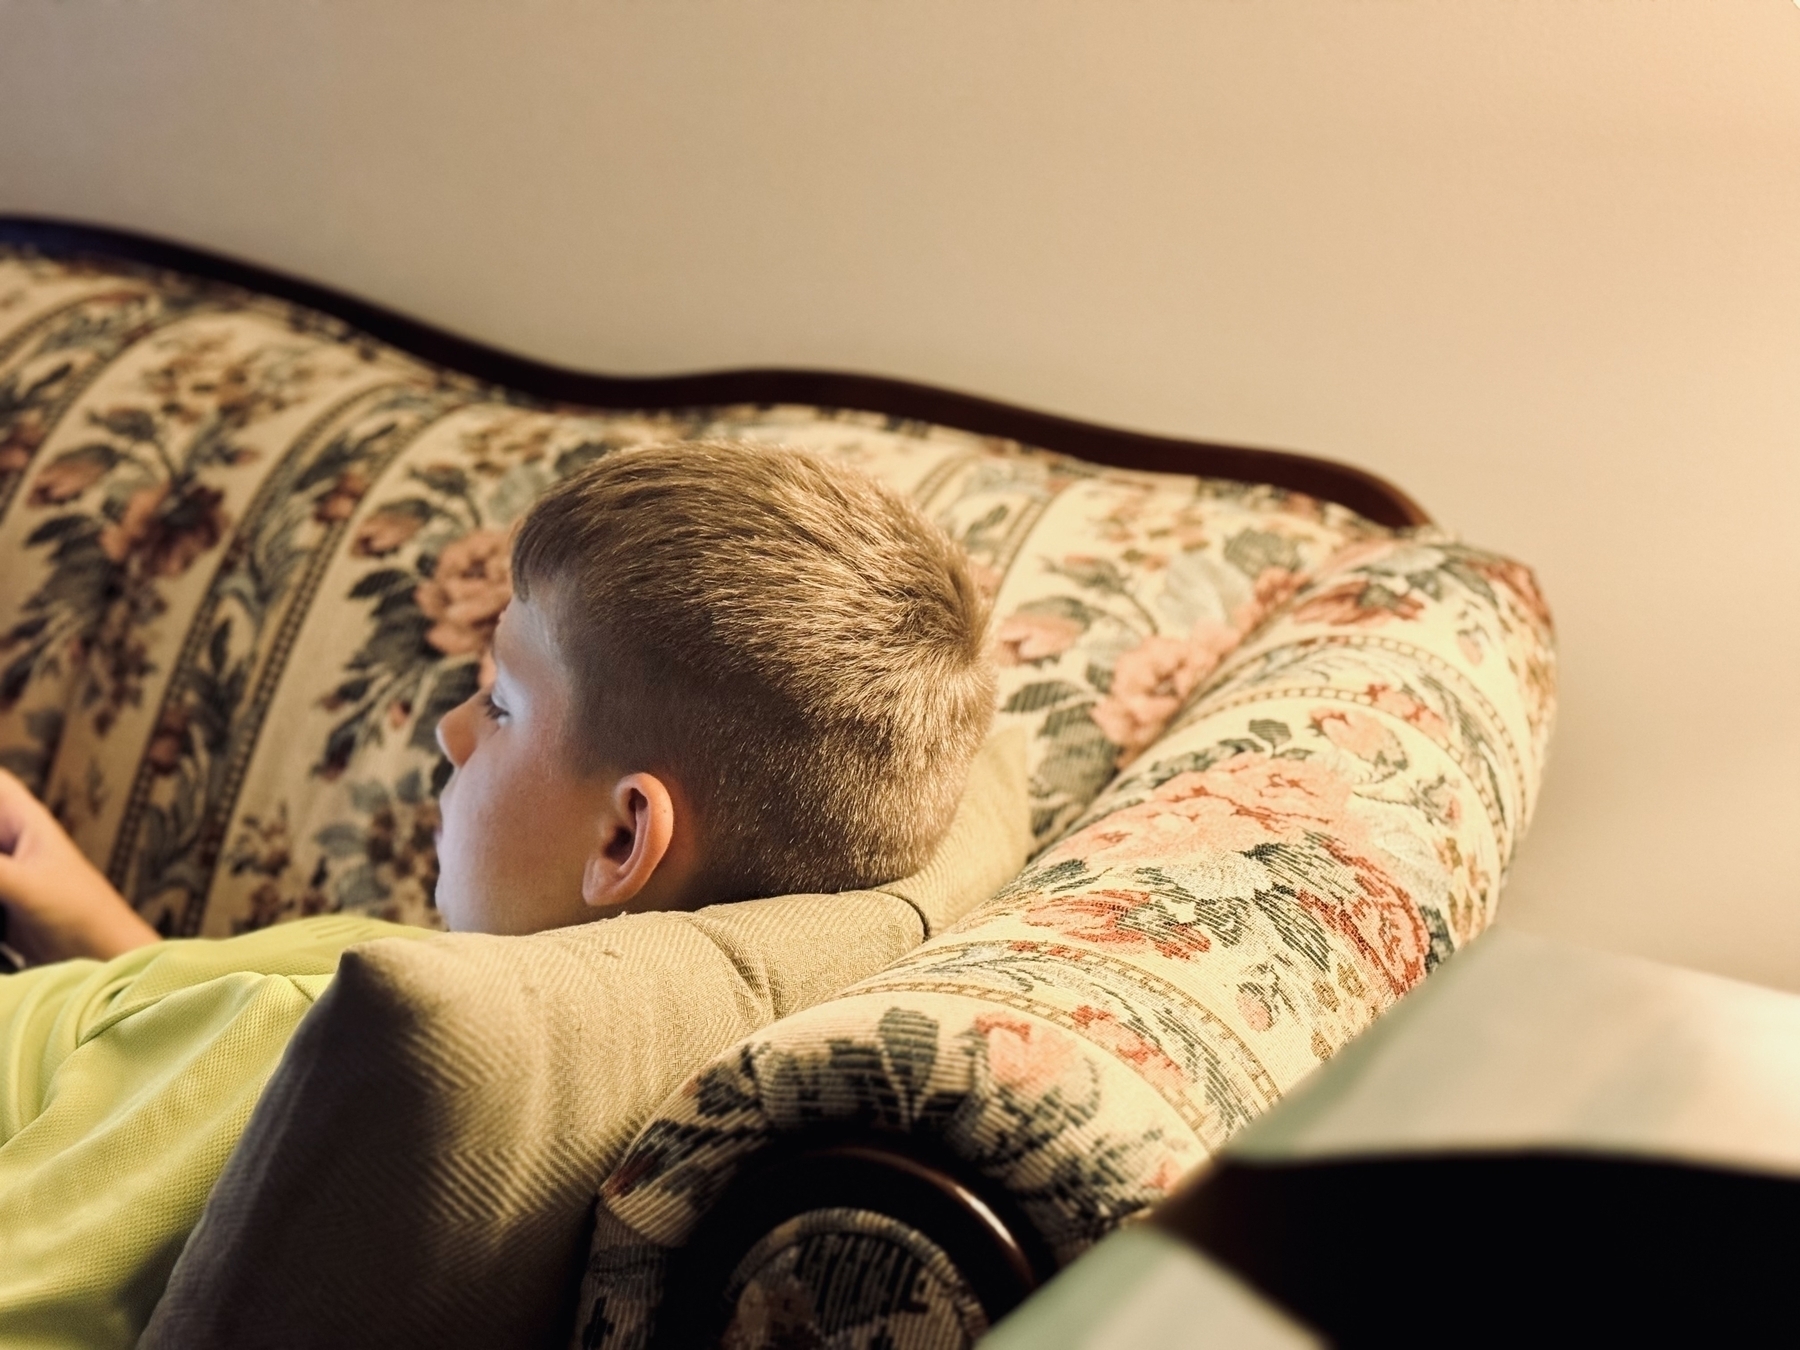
pixel 19 807
pixel 13 790
pixel 12 880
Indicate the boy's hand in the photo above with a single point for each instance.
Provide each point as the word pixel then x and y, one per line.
pixel 57 903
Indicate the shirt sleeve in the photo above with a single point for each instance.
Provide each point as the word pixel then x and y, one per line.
pixel 124 1085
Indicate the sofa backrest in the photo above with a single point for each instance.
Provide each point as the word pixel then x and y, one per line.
pixel 252 555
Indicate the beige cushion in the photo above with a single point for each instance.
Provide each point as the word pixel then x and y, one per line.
pixel 422 1166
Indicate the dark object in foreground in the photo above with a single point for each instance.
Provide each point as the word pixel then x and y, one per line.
pixel 1541 1144
pixel 1567 1245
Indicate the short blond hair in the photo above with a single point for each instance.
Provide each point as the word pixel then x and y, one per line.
pixel 794 643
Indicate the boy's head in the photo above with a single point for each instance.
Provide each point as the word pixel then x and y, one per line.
pixel 727 671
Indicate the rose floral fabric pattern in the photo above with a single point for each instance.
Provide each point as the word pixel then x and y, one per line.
pixel 222 515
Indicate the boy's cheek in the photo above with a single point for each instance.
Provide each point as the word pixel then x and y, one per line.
pixel 454 861
pixel 459 887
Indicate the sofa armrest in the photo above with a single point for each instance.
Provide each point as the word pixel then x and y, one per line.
pixel 1327 821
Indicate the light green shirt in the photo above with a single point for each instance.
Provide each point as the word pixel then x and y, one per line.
pixel 124 1085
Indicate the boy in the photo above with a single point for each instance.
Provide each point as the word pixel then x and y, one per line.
pixel 726 672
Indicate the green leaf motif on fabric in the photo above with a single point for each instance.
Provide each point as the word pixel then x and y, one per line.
pixel 1043 694
pixel 909 1041
pixel 368 797
pixel 1254 552
pixel 1275 733
pixel 1079 761
pixel 73 472
pixel 131 424
pixel 340 840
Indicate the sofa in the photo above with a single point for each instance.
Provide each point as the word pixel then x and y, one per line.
pixel 1284 736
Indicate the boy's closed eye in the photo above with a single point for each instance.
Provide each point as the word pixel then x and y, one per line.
pixel 493 709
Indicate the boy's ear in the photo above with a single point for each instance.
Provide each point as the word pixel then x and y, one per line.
pixel 632 842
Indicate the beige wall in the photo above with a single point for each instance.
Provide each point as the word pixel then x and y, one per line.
pixel 1537 260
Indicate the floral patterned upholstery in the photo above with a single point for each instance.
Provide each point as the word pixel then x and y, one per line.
pixel 1328 818
pixel 221 514
pixel 1281 755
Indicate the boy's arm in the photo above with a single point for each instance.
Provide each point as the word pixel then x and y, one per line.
pixel 57 903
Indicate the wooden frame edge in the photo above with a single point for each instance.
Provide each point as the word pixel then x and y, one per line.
pixel 1361 491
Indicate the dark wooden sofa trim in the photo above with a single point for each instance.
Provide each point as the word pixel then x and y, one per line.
pixel 1363 492
pixel 989 1241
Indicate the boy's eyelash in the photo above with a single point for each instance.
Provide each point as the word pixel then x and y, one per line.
pixel 491 708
